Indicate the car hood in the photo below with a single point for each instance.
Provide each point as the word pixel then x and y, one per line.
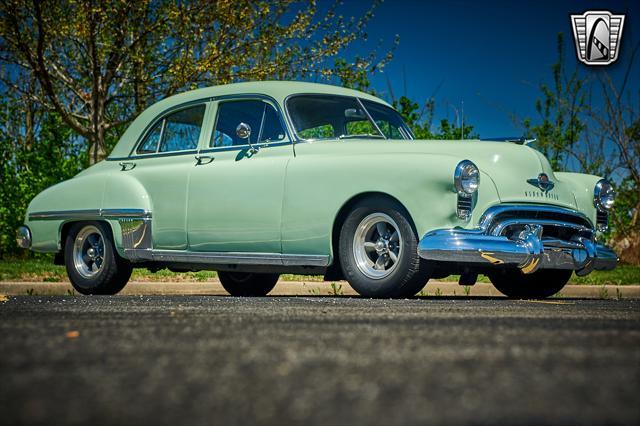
pixel 509 166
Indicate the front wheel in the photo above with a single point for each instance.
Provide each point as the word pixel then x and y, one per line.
pixel 379 250
pixel 538 285
pixel 92 263
pixel 248 284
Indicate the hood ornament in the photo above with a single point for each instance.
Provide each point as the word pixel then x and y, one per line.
pixel 542 182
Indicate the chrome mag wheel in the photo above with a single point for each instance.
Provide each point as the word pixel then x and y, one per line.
pixel 88 251
pixel 377 245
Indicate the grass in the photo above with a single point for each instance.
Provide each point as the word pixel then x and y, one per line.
pixel 622 275
pixel 42 269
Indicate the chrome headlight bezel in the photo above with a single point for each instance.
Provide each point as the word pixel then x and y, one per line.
pixel 466 178
pixel 604 195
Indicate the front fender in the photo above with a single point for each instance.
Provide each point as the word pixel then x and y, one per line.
pixel 582 186
pixel 318 186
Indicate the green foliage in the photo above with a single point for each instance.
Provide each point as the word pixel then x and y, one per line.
pixel 336 289
pixel 420 120
pixel 601 139
pixel 99 64
pixel 624 218
pixel 31 164
pixel 73 74
pixel 560 110
pixel 41 268
pixel 320 132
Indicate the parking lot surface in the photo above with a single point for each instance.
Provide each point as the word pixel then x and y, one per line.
pixel 318 361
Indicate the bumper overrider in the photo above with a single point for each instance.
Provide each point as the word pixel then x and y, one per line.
pixel 522 237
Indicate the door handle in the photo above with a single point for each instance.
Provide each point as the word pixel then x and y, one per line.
pixel 203 159
pixel 126 166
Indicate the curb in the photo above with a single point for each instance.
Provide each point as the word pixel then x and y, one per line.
pixel 308 288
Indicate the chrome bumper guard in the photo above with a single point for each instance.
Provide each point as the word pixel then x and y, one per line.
pixel 529 251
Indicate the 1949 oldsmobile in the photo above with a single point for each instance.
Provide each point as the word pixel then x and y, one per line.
pixel 257 179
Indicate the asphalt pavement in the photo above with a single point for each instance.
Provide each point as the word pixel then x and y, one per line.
pixel 191 360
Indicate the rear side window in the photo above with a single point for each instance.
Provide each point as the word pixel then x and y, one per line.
pixel 178 131
pixel 261 116
pixel 151 142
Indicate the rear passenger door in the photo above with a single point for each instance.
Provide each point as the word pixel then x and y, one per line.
pixel 235 193
pixel 161 162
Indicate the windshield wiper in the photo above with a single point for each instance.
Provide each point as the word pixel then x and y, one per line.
pixel 360 136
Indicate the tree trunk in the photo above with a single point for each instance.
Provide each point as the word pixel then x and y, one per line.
pixel 97 151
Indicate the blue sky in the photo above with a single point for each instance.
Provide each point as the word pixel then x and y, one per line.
pixel 491 55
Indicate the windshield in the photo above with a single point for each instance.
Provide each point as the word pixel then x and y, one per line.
pixel 343 117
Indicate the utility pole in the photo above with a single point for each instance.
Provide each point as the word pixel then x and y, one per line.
pixel 462 129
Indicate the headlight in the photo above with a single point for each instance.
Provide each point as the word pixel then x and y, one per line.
pixel 466 177
pixel 603 195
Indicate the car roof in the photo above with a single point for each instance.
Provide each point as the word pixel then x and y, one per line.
pixel 278 90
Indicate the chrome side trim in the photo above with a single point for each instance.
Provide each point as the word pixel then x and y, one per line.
pixel 226 258
pixel 136 233
pixel 90 214
pixel 65 214
pixel 125 213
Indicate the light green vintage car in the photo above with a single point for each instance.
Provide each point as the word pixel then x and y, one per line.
pixel 257 179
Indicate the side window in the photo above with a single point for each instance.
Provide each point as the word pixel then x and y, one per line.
pixel 182 129
pixel 261 116
pixel 272 130
pixel 150 143
pixel 178 131
pixel 387 120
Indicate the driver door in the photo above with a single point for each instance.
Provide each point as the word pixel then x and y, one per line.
pixel 236 189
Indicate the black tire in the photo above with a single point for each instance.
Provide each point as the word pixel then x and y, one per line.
pixel 247 284
pixel 407 276
pixel 538 285
pixel 113 272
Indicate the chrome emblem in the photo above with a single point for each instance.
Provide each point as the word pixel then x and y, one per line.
pixel 597 35
pixel 542 182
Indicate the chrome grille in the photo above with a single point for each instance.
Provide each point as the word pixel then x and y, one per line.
pixel 464 206
pixel 557 223
pixel 602 220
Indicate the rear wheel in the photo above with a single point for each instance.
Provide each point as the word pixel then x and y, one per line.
pixel 538 285
pixel 92 263
pixel 248 284
pixel 379 250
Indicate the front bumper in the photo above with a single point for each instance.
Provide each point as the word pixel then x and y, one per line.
pixel 529 251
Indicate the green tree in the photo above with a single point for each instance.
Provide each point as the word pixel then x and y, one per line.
pixel 97 64
pixel 420 120
pixel 73 73
pixel 601 138
pixel 31 160
pixel 560 110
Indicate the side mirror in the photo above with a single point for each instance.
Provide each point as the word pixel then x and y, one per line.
pixel 244 132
